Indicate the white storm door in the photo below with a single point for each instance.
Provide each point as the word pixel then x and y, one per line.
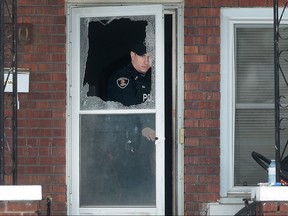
pixel 112 169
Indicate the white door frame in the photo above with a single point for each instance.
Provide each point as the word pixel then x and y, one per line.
pixel 76 72
pixel 179 154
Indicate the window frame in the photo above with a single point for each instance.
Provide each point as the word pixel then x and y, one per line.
pixel 229 18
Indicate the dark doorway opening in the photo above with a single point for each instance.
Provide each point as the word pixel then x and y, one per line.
pixel 110 43
pixel 168 115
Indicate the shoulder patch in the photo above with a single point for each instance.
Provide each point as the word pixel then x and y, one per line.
pixel 122 82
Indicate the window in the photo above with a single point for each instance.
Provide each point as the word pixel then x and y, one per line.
pixel 247 96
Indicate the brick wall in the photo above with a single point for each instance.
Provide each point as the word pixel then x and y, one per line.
pixel 42 153
pixel 42 113
pixel 272 208
pixel 24 208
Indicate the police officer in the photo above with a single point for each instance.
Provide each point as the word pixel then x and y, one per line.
pixel 132 84
pixel 133 152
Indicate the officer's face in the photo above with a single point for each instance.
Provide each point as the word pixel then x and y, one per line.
pixel 140 63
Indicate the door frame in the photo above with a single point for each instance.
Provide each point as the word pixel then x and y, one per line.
pixel 178 121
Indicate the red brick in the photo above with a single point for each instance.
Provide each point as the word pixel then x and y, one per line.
pixel 48 170
pixel 188 86
pixel 225 3
pixel 271 214
pixel 210 49
pixel 270 206
pixel 212 105
pixel 191 197
pixel 51 160
pixel 197 3
pixel 191 49
pixel 202 170
pixel 52 68
pixel 209 12
pixel 56 2
pixel 195 40
pixel 283 207
pixel 208 160
pixel 212 151
pixel 191 141
pixel 208 123
pixel 255 3
pixel 210 68
pixel 190 179
pixel 208 197
pixel 214 30
pixel 195 151
pixel 209 142
pixel 190 68
pixel 196 132
pixel 21 206
pixel 191 123
pixel 195 188
pixel 191 12
pixel 57 198
pixel 213 59
pixel 210 179
pixel 208 77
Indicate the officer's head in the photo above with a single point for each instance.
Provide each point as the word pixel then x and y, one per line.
pixel 140 58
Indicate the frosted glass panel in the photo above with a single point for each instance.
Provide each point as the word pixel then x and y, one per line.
pixel 117 164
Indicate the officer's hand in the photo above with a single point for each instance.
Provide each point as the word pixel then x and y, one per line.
pixel 149 133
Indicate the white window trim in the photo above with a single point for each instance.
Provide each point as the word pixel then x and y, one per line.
pixel 230 17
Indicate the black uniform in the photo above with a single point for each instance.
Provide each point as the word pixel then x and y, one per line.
pixel 129 87
pixel 131 152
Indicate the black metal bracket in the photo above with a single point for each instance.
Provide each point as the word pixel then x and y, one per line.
pixel 281 109
pixel 13 68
